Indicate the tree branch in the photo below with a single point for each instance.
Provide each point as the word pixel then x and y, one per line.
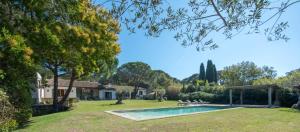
pixel 218 13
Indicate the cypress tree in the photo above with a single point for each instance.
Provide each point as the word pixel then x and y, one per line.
pixel 209 71
pixel 215 74
pixel 202 72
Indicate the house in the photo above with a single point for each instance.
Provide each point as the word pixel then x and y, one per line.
pixel 83 90
pixel 80 90
pixel 141 92
pixel 109 92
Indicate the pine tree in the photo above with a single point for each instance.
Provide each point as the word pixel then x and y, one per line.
pixel 202 72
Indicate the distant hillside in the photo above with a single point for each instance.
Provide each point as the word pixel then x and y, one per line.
pixel 190 79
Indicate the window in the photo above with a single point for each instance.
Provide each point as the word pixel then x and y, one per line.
pixel 61 92
pixel 140 92
pixel 47 90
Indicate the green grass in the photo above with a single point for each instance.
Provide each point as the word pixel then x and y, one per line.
pixel 90 116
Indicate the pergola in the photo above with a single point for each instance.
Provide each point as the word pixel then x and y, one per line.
pixel 270 89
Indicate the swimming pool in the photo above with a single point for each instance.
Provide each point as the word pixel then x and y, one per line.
pixel 146 114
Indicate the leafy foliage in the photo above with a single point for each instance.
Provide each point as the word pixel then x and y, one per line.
pixel 133 73
pixel 7 121
pixel 73 35
pixel 121 92
pixel 139 74
pixel 195 21
pixel 245 73
pixel 16 72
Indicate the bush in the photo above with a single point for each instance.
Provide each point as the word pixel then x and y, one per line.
pixel 8 126
pixel 197 95
pixel 150 96
pixel 287 97
pixel 190 89
pixel 184 96
pixel 23 115
pixel 7 121
pixel 172 93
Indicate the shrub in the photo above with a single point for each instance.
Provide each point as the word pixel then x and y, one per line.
pixel 287 97
pixel 150 96
pixel 7 121
pixel 214 89
pixel 184 96
pixel 23 115
pixel 190 89
pixel 197 95
pixel 172 93
pixel 8 126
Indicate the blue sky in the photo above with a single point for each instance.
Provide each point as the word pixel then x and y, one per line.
pixel 167 54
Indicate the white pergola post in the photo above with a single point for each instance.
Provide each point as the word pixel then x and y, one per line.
pixel 230 96
pixel 270 96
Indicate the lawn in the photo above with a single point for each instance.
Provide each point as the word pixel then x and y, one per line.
pixel 90 116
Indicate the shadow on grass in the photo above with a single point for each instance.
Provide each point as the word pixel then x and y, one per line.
pixel 30 122
pixel 27 124
pixel 290 110
pixel 110 104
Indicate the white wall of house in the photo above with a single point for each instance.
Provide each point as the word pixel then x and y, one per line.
pixel 141 92
pixel 102 94
pixel 49 91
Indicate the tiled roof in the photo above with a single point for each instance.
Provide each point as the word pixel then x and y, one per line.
pixel 79 84
pixel 116 87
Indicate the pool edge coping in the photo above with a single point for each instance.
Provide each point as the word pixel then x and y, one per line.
pixel 135 119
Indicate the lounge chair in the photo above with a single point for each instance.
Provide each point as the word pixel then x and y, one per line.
pixel 203 102
pixel 181 103
pixel 196 102
pixel 188 101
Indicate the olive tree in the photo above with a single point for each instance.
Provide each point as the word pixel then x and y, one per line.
pixel 197 21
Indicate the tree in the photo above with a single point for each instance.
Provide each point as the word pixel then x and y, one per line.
pixel 17 70
pixel 82 43
pixel 244 73
pixel 133 74
pixel 160 78
pixel 198 20
pixel 159 81
pixel 73 35
pixel 209 71
pixel 183 89
pixel 269 72
pixel 215 75
pixel 202 72
pixel 121 92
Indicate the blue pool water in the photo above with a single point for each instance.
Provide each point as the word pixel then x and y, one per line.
pixel 144 114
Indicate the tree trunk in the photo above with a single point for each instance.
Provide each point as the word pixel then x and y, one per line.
pixel 134 93
pixel 120 97
pixel 66 95
pixel 55 89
